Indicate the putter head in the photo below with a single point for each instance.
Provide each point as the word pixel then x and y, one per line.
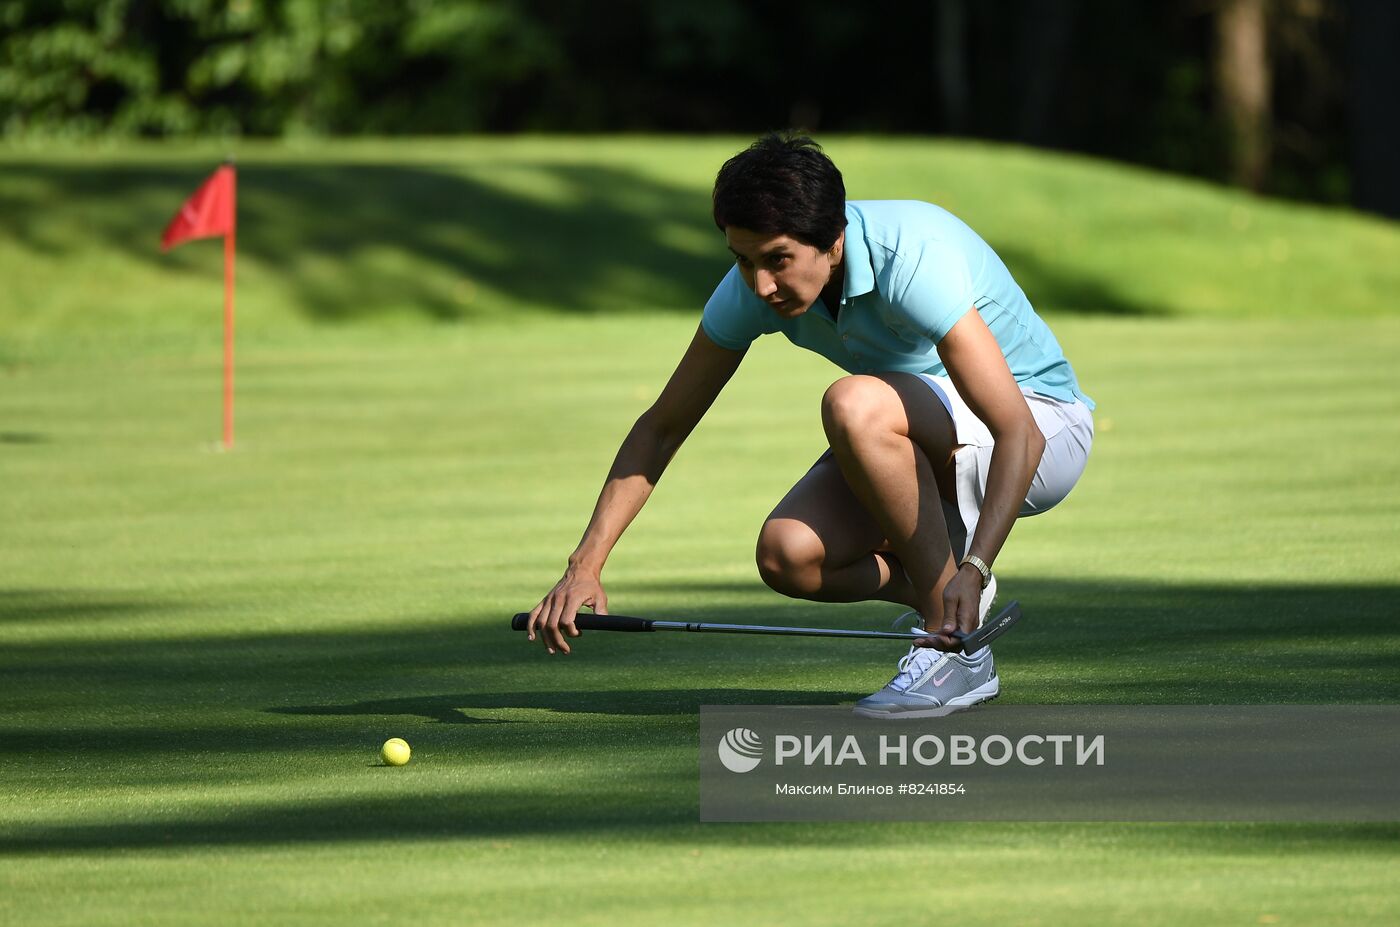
pixel 991 629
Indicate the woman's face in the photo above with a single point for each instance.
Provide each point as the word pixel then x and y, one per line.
pixel 782 271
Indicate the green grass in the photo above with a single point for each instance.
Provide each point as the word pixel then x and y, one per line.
pixel 200 652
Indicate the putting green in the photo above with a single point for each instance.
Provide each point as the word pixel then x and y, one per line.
pixel 201 652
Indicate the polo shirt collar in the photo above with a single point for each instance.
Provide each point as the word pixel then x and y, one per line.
pixel 860 276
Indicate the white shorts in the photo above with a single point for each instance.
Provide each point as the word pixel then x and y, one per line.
pixel 1068 428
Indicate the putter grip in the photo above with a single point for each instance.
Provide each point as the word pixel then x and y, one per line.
pixel 586 622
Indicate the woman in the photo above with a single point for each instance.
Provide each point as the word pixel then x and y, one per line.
pixel 959 413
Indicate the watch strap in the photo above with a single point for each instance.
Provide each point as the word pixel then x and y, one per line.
pixel 981 566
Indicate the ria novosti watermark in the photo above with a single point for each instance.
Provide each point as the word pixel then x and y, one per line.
pixel 1136 763
pixel 740 750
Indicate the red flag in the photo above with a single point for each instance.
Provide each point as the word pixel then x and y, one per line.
pixel 207 214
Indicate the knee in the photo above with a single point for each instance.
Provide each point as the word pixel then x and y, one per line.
pixel 855 405
pixel 789 557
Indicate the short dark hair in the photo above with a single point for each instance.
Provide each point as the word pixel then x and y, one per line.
pixel 782 184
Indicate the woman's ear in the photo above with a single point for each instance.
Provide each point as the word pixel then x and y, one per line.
pixel 838 248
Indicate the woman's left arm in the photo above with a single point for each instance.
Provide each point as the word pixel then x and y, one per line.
pixel 978 369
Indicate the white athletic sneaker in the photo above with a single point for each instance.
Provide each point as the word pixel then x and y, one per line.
pixel 931 684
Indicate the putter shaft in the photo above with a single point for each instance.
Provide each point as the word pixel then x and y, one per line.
pixel 992 628
pixel 703 626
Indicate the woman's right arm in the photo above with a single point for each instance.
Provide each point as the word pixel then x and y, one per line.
pixel 648 448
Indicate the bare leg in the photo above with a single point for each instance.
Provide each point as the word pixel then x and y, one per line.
pixel 872 525
pixel 820 543
pixel 884 432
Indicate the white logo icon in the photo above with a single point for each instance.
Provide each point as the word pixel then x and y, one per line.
pixel 740 750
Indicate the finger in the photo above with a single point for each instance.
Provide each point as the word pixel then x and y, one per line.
pixel 944 642
pixel 538 615
pixel 947 643
pixel 967 615
pixel 563 617
pixel 553 640
pixel 570 623
pixel 566 626
pixel 959 612
pixel 549 627
pixel 541 622
pixel 950 615
pixel 600 603
pixel 562 624
pixel 974 615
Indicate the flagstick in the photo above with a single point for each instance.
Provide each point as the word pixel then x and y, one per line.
pixel 213 211
pixel 228 340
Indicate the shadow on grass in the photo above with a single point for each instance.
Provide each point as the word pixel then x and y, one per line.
pixel 450 241
pixel 466 707
pixel 1346 638
pixel 623 805
pixel 22 437
pixel 51 606
pixel 637 807
pixel 617 721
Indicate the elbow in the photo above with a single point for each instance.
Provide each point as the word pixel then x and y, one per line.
pixel 648 429
pixel 1025 438
pixel 656 436
pixel 1035 446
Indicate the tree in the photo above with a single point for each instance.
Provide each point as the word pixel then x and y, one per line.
pixel 1243 82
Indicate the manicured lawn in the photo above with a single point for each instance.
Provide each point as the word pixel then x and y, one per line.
pixel 200 652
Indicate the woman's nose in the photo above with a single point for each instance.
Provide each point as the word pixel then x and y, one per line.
pixel 764 284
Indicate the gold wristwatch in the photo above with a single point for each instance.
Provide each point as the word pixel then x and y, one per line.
pixel 981 565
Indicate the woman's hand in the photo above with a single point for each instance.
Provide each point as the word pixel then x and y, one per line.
pixel 554 616
pixel 962 606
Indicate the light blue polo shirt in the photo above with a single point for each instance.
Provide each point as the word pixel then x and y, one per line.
pixel 912 271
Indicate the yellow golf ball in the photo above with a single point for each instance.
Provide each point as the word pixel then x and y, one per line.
pixel 395 751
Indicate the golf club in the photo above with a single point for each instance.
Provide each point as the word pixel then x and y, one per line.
pixel 971 642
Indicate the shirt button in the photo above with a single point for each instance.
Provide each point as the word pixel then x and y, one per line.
pixel 845 337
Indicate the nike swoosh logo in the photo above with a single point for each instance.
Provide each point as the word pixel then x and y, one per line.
pixel 939 682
